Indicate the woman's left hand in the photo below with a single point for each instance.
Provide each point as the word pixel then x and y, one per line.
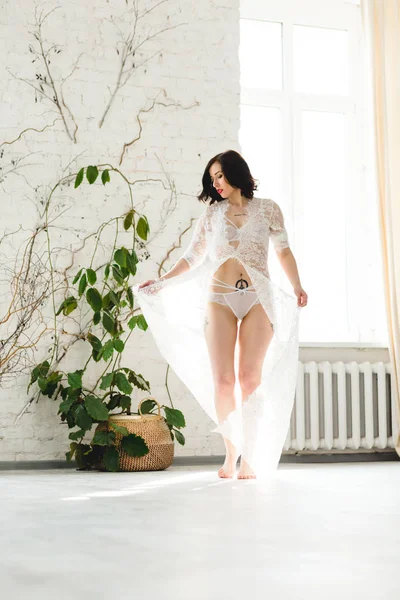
pixel 302 297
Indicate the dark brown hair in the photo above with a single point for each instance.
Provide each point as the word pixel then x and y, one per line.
pixel 236 172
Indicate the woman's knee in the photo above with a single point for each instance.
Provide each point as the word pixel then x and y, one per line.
pixel 224 384
pixel 249 380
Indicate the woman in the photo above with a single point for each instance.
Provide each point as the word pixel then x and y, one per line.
pixel 194 311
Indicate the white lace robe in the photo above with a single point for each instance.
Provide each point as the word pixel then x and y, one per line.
pixel 176 310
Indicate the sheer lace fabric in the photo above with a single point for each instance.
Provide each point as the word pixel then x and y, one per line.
pixel 175 311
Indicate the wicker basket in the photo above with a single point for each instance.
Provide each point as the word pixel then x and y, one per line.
pixel 155 432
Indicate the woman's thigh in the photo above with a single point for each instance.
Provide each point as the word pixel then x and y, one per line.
pixel 255 335
pixel 220 330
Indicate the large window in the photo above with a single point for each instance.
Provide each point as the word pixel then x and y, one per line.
pixel 305 132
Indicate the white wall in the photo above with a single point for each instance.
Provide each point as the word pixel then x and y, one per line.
pixel 198 68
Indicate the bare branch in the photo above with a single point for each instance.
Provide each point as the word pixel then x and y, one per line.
pixel 146 110
pixel 127 50
pixel 178 244
pixel 29 129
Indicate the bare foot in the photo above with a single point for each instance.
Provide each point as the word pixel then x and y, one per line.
pixel 245 472
pixel 228 469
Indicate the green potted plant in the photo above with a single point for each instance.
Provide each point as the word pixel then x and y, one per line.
pixel 105 292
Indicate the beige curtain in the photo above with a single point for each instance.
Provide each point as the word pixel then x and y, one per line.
pixel 381 23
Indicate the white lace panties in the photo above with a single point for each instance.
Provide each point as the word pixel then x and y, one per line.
pixel 239 300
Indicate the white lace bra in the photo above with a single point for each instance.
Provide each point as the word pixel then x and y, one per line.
pixel 217 237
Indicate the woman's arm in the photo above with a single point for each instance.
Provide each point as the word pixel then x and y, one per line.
pixel 289 265
pixel 279 237
pixel 179 267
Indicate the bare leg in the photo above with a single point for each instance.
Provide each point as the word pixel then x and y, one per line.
pixel 255 335
pixel 221 332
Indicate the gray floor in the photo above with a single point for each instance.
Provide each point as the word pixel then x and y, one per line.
pixel 320 531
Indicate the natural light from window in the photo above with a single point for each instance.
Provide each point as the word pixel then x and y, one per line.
pixel 305 134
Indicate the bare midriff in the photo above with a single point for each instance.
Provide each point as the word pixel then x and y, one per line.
pixel 231 271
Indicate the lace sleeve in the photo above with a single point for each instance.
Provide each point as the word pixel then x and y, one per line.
pixel 277 230
pixel 196 249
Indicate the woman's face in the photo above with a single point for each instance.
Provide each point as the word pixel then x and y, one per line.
pixel 219 182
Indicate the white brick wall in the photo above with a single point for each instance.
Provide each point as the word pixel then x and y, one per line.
pixel 199 64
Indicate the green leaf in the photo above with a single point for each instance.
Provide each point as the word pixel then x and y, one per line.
pixel 65 392
pixel 96 408
pixel 142 228
pixel 108 350
pixel 125 402
pixel 48 385
pixel 174 417
pixel 120 256
pixel 96 318
pixel 40 370
pixel 129 294
pixel 113 400
pixel 77 276
pixel 104 438
pixel 82 284
pixel 94 341
pixel 79 177
pixel 75 379
pixel 132 322
pixel 180 438
pixel 119 345
pixel 69 455
pixel 82 418
pixel 106 381
pixel 114 297
pixel 134 445
pixel 130 264
pixel 96 355
pixel 147 406
pixel 94 298
pixel 117 274
pixel 55 377
pixel 67 306
pixel 105 176
pixel 92 173
pixel 138 381
pixel 42 383
pixel 128 220
pixel 107 271
pixel 91 276
pixel 76 435
pixel 66 405
pixel 111 459
pixel 109 323
pixel 70 418
pixel 141 322
pixel 81 456
pixel 107 304
pixel 122 383
pixel 119 428
pixel 124 272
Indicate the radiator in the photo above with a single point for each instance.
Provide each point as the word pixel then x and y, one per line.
pixel 342 407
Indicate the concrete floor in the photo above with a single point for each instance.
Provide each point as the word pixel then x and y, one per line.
pixel 320 531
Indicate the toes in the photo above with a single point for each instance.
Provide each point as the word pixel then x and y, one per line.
pixel 246 476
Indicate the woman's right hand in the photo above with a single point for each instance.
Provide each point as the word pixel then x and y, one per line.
pixel 153 285
pixel 145 283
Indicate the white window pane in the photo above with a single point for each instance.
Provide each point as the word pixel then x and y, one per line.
pixel 322 237
pixel 260 139
pixel 260 54
pixel 320 60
